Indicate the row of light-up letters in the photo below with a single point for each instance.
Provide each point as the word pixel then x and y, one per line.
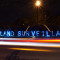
pixel 29 34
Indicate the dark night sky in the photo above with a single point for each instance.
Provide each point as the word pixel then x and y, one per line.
pixel 11 10
pixel 54 7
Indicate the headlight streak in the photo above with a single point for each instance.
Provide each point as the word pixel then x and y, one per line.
pixel 31 42
pixel 36 42
pixel 54 45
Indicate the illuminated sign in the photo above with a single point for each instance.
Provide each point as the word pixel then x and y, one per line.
pixel 29 34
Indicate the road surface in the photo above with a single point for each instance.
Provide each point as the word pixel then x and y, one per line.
pixel 29 53
pixel 29 49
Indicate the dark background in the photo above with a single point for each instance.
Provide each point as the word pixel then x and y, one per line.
pixel 20 12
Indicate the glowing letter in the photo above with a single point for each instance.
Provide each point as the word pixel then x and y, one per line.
pixel 8 33
pixel 52 33
pixel 43 34
pixel 27 33
pixel 1 33
pixel 47 34
pixel 4 33
pixel 12 33
pixel 58 33
pixel 33 33
pixel 23 33
pixel 19 33
pixel 37 33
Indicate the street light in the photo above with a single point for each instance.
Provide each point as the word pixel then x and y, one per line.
pixel 38 3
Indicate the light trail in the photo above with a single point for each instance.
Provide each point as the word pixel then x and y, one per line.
pixel 29 49
pixel 47 28
pixel 29 38
pixel 35 40
pixel 54 45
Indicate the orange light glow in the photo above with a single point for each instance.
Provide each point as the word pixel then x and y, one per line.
pixel 29 49
pixel 38 3
pixel 37 41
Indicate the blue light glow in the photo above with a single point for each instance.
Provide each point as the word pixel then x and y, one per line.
pixel 23 33
pixel 58 33
pixel 52 32
pixel 47 34
pixel 43 34
pixel 38 34
pixel 33 33
pixel 27 33
pixel 12 33
pixel 6 33
pixel 19 33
